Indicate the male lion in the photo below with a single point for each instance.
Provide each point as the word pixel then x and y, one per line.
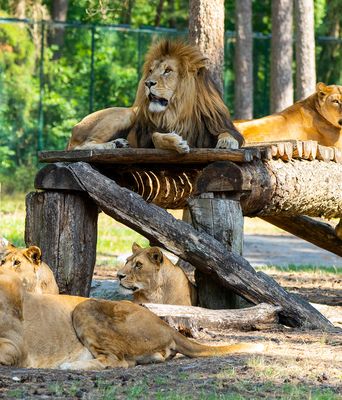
pixel 153 278
pixel 36 276
pixel 177 106
pixel 70 332
pixel 318 117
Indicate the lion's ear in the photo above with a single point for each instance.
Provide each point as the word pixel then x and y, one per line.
pixel 322 89
pixel 34 254
pixel 135 247
pixel 155 255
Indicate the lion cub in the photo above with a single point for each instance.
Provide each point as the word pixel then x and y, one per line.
pixel 152 278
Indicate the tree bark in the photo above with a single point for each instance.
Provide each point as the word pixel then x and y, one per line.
pixel 56 36
pixel 192 321
pixel 64 226
pixel 198 248
pixel 206 30
pixel 281 55
pixel 305 49
pixel 159 13
pixel 243 101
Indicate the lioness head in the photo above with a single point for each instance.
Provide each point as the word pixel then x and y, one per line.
pixel 330 103
pixel 35 275
pixel 140 273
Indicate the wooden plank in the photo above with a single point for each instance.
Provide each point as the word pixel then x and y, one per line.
pixel 288 151
pixel 198 248
pixel 337 155
pixel 144 156
pixel 194 320
pixel 325 153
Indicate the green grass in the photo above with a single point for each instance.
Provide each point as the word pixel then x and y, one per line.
pixel 302 268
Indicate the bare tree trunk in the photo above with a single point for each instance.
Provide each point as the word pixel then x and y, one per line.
pixel 206 30
pixel 20 9
pixel 305 49
pixel 159 13
pixel 59 13
pixel 243 60
pixel 171 13
pixel 126 16
pixel 281 55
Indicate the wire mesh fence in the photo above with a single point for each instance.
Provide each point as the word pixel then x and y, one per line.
pixel 53 74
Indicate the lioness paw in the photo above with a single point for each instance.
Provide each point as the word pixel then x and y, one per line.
pixel 121 143
pixel 227 143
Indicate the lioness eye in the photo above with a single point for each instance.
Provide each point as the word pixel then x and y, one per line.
pixel 2 262
pixel 335 101
pixel 16 262
pixel 138 265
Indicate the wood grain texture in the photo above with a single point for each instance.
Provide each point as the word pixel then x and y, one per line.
pixel 64 226
pixel 194 320
pixel 198 248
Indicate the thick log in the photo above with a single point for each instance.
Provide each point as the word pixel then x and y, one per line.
pixel 198 248
pixel 223 220
pixel 64 226
pixel 149 156
pixel 319 233
pixel 194 320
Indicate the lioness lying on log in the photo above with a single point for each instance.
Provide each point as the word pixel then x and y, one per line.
pixel 70 332
pixel 318 117
pixel 177 106
pixel 153 278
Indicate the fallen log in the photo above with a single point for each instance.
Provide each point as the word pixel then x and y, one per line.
pixel 198 248
pixel 194 320
pixel 319 233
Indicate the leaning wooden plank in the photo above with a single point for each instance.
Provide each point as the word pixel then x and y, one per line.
pixel 198 248
pixel 319 233
pixel 325 153
pixel 193 320
pixel 148 156
pixel 337 155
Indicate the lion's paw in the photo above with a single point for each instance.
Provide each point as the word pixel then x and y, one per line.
pixel 170 141
pixel 181 145
pixel 121 143
pixel 227 143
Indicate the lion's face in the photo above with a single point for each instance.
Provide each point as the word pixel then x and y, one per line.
pixel 25 263
pixel 141 269
pixel 330 102
pixel 161 84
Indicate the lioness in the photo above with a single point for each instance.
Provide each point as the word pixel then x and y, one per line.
pixel 318 117
pixel 70 332
pixel 177 106
pixel 153 278
pixel 36 276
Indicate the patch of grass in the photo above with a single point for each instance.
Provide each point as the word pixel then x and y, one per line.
pixel 301 268
pixel 15 394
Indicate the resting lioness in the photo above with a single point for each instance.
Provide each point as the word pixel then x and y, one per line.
pixel 70 332
pixel 153 278
pixel 318 117
pixel 36 276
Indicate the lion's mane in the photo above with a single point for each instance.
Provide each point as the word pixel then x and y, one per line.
pixel 196 110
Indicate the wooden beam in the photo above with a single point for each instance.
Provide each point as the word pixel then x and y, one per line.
pixel 319 233
pixel 198 248
pixel 149 156
pixel 194 320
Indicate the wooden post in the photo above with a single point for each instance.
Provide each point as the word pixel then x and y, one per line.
pixel 221 218
pixel 64 226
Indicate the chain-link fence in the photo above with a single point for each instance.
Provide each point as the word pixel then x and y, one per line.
pixel 53 74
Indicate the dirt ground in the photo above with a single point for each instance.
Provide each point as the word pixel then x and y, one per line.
pixel 295 364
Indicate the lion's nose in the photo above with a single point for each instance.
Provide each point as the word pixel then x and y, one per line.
pixel 120 275
pixel 150 83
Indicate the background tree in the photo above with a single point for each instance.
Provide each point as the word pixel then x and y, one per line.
pixel 243 101
pixel 305 48
pixel 281 55
pixel 209 36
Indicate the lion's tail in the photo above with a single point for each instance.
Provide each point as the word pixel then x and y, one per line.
pixel 194 349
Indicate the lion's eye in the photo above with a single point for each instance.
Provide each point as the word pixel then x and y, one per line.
pixel 167 70
pixel 16 263
pixel 138 265
pixel 2 262
pixel 336 101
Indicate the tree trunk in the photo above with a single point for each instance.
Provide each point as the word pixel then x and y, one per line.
pixel 56 36
pixel 20 9
pixel 206 30
pixel 126 16
pixel 281 55
pixel 198 248
pixel 243 102
pixel 192 321
pixel 159 13
pixel 64 226
pixel 305 49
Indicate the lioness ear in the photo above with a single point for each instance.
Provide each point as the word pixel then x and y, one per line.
pixel 34 254
pixel 155 255
pixel 135 247
pixel 322 89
